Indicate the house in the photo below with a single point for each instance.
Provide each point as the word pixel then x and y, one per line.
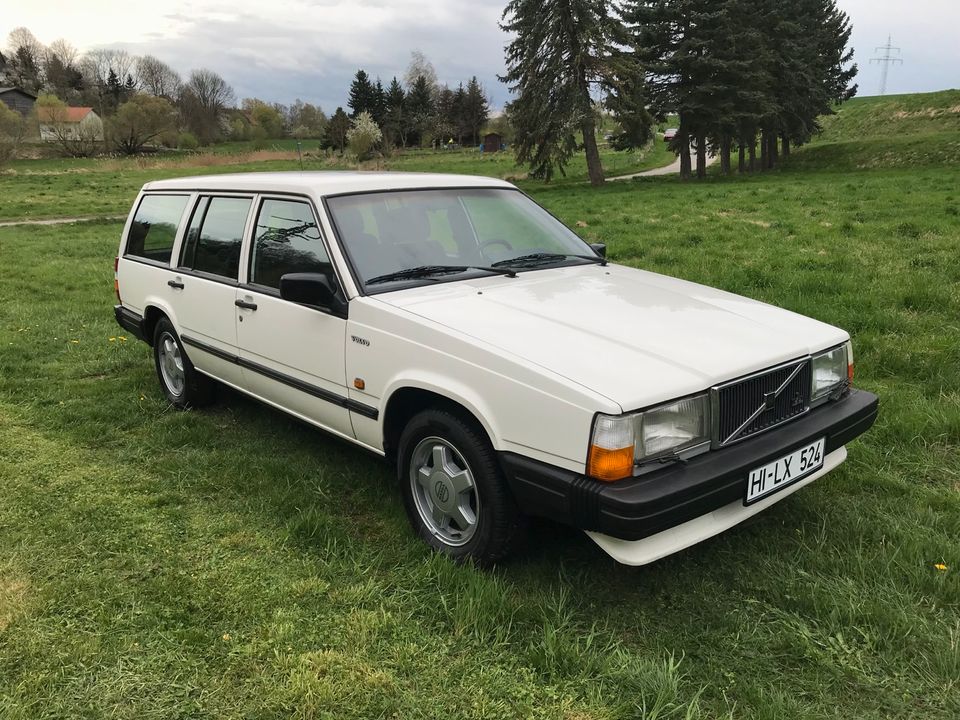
pixel 70 122
pixel 17 99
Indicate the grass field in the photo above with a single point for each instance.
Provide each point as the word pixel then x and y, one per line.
pixel 233 563
pixel 104 187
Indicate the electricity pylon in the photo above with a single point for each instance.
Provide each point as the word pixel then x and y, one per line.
pixel 885 61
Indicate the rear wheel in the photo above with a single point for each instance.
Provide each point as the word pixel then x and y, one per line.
pixel 454 491
pixel 179 380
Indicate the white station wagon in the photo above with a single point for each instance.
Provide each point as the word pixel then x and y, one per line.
pixel 455 327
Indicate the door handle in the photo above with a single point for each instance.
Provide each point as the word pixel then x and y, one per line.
pixel 245 305
pixel 175 284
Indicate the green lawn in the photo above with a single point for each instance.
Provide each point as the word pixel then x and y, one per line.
pixel 103 187
pixel 233 563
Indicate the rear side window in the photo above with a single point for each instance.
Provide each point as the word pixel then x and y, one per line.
pixel 154 227
pixel 286 240
pixel 215 236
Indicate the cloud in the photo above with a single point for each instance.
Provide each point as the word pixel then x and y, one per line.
pixel 312 51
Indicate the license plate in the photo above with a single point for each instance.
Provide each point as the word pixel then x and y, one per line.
pixel 786 470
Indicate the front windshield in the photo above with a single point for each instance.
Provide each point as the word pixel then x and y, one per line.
pixel 447 234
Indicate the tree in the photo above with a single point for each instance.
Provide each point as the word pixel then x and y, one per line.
pixel 24 62
pixel 203 104
pixel 63 76
pixel 11 133
pixel 363 136
pixel 562 49
pixel 308 119
pixel 394 114
pixel 476 109
pixel 420 109
pixel 420 67
pixel 363 95
pixel 264 116
pixel 157 78
pixel 139 121
pixel 337 129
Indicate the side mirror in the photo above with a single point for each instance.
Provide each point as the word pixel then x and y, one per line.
pixel 600 249
pixel 313 290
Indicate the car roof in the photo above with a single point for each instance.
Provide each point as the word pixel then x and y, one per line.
pixel 322 183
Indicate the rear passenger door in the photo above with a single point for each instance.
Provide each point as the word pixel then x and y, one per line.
pixel 206 280
pixel 292 356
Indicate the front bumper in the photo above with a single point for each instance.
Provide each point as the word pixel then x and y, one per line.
pixel 639 507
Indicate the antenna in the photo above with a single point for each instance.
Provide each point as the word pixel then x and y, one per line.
pixel 885 62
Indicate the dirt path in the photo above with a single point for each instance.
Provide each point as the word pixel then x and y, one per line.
pixel 671 169
pixel 60 221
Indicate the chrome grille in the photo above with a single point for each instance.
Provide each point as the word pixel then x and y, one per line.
pixel 751 405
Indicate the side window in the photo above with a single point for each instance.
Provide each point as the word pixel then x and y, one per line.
pixel 215 236
pixel 286 240
pixel 154 226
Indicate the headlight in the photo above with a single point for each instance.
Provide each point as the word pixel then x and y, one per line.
pixel 621 441
pixel 832 370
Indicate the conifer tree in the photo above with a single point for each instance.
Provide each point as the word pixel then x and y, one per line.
pixel 362 95
pixel 561 52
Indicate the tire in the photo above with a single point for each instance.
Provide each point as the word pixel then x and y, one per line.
pixel 464 510
pixel 180 382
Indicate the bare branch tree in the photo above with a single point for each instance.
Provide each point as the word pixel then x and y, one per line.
pixel 157 78
pixel 203 103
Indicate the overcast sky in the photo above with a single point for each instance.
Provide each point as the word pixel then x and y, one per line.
pixel 281 50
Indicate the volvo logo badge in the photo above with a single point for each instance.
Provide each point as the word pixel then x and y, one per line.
pixel 769 400
pixel 442 491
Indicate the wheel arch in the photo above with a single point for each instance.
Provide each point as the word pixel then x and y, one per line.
pixel 152 312
pixel 407 399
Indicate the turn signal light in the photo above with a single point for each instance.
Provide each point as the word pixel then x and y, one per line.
pixel 610 465
pixel 850 373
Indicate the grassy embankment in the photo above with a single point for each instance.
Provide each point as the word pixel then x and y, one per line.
pixel 233 563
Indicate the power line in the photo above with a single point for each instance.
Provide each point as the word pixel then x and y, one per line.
pixel 885 61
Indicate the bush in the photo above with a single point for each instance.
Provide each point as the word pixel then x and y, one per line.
pixel 11 133
pixel 187 141
pixel 363 136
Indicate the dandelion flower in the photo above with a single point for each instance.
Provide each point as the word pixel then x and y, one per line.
pixel 941 567
pixel 112 339
pixel 75 342
pixel 123 338
pixel 226 637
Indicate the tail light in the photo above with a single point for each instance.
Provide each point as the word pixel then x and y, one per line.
pixel 116 278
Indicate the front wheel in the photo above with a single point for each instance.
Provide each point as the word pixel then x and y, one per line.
pixel 454 491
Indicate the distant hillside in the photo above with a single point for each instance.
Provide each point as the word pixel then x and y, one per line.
pixel 898 115
pixel 887 132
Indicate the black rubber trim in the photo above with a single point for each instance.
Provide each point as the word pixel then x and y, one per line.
pixel 642 506
pixel 130 321
pixel 317 392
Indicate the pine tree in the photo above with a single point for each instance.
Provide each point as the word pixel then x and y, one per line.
pixel 476 109
pixel 420 108
pixel 379 107
pixel 560 53
pixel 395 121
pixel 362 95
pixel 337 129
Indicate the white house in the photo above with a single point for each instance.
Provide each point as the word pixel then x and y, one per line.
pixel 69 122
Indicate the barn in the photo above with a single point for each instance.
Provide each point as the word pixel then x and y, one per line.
pixel 17 99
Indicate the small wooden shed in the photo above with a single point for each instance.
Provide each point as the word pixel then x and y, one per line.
pixel 492 142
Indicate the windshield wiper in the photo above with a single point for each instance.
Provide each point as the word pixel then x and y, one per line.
pixel 427 270
pixel 544 257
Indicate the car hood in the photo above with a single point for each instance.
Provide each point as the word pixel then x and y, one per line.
pixel 635 337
